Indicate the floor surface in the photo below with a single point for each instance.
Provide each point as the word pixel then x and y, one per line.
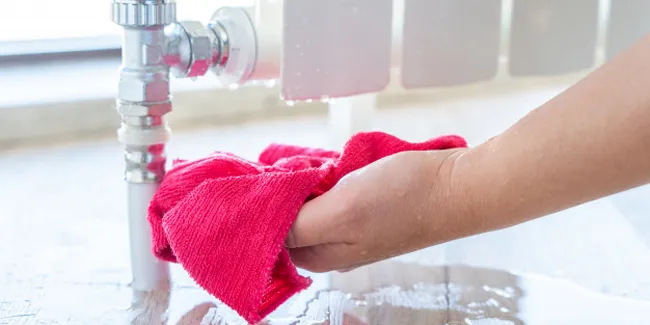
pixel 63 228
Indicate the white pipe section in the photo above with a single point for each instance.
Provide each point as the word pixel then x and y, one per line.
pixel 350 115
pixel 148 272
pixel 268 18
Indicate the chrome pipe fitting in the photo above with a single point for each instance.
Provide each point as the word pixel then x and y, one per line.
pixel 156 46
pixel 192 49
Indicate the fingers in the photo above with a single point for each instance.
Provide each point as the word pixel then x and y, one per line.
pixel 328 230
pixel 319 258
pixel 329 257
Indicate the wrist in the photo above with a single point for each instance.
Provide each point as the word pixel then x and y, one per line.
pixel 473 192
pixel 481 189
pixel 450 212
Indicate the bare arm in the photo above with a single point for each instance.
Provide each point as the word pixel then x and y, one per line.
pixel 591 141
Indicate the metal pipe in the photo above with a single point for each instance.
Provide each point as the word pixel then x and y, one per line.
pixel 143 100
pixel 155 45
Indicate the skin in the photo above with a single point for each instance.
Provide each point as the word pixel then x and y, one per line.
pixel 591 141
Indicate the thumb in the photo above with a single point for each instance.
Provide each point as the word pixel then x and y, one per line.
pixel 316 223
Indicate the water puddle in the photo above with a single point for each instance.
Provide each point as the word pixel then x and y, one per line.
pixel 451 295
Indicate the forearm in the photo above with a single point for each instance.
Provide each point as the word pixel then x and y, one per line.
pixel 591 141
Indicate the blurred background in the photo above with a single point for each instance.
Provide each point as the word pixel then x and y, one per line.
pixel 465 67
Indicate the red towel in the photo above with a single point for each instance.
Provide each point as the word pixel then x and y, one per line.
pixel 225 219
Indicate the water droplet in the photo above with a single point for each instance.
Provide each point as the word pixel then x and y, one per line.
pixel 291 103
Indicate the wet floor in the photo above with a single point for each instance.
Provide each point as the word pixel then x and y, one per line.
pixel 64 255
pixel 442 295
pixel 470 296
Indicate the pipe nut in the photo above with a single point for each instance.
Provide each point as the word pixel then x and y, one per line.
pixel 144 88
pixel 195 50
pixel 142 110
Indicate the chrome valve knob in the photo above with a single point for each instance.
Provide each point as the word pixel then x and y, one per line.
pixel 135 13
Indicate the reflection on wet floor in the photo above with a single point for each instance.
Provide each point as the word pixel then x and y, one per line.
pixel 466 295
pixel 73 268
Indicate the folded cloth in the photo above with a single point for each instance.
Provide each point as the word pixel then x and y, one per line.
pixel 225 219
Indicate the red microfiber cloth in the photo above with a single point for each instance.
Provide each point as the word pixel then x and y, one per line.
pixel 225 219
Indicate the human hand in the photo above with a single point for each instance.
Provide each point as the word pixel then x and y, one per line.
pixel 396 205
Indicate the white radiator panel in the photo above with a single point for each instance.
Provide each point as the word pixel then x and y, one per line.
pixel 550 37
pixel 335 48
pixel 450 42
pixel 629 21
pixel 339 48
